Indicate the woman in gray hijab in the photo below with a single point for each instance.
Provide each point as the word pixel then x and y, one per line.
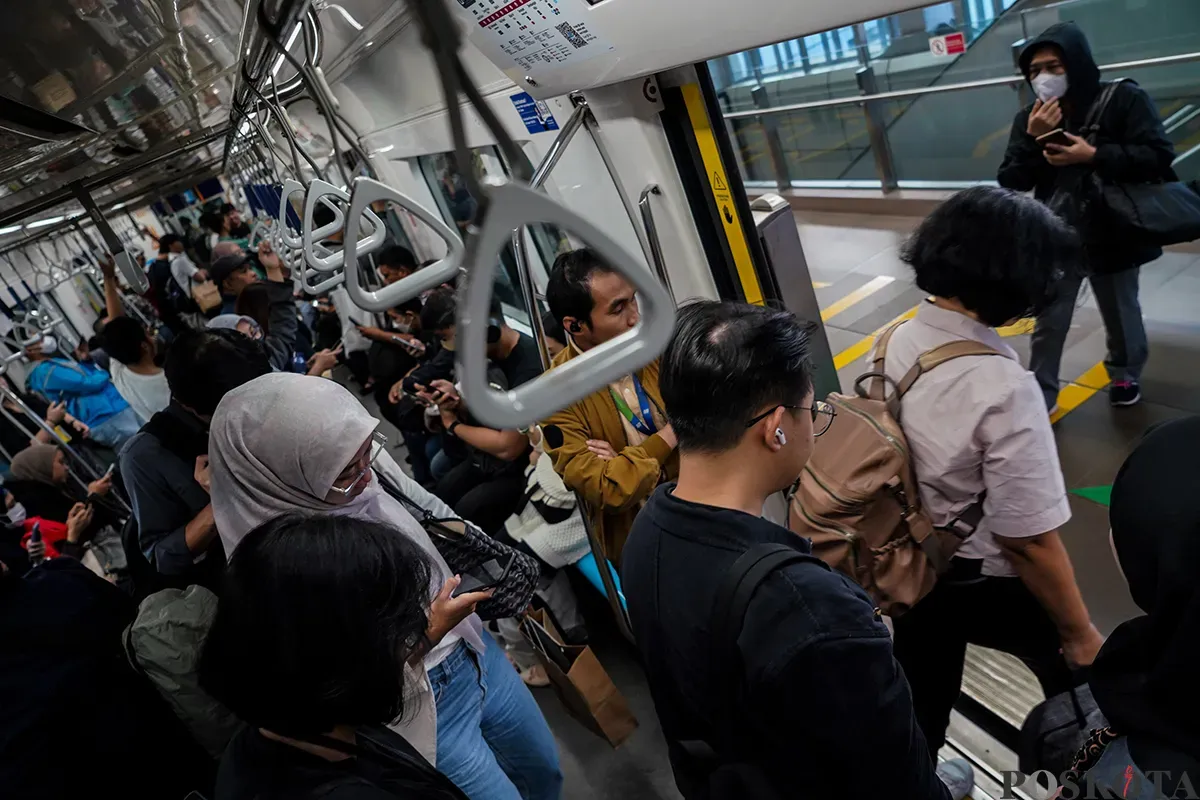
pixel 287 443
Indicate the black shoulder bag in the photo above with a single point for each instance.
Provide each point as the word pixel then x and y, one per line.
pixel 465 547
pixel 724 767
pixel 1157 214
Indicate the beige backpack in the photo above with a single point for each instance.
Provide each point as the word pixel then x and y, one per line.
pixel 858 499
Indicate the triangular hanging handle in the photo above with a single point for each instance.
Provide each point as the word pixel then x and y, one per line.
pixel 333 260
pixel 366 192
pixel 510 207
pixel 320 192
pixel 289 188
pixel 324 285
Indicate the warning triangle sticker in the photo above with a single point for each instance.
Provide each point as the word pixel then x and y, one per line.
pixel 717 183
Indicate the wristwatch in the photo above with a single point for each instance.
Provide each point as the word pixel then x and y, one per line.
pixel 453 425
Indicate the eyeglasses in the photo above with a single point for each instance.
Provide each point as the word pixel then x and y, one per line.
pixel 378 442
pixel 1051 67
pixel 822 415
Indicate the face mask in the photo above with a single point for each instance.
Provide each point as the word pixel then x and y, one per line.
pixel 16 514
pixel 403 327
pixel 49 345
pixel 1047 86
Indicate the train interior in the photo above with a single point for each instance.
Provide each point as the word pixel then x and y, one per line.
pixel 784 163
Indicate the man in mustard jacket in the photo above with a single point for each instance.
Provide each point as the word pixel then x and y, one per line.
pixel 616 444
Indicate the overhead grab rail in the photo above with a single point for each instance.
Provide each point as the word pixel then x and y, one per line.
pixel 502 208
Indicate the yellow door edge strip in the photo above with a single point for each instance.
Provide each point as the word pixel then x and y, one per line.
pixel 858 295
pixel 718 182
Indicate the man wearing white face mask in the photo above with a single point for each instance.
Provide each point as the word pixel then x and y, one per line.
pixel 86 390
pixel 1130 146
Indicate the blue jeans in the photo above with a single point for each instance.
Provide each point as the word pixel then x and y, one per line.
pixel 115 430
pixel 492 739
pixel 1125 334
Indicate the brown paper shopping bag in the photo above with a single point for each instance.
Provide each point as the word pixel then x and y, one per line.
pixel 579 681
pixel 206 295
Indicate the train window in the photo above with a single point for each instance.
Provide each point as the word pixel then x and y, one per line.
pixel 458 207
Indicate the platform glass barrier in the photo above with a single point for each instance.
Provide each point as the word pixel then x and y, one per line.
pixel 945 120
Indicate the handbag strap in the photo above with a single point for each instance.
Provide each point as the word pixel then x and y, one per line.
pixel 393 491
pixel 1091 123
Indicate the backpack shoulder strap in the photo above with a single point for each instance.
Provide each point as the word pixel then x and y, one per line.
pixel 935 358
pixel 733 599
pixel 877 389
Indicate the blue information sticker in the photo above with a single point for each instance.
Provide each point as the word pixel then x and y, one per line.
pixel 534 113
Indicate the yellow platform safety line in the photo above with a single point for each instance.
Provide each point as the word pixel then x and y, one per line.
pixel 1018 328
pixel 1075 393
pixel 1070 397
pixel 820 285
pixel 858 295
pixel 718 182
pixel 860 348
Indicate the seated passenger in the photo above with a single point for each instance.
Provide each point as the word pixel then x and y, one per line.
pixel 811 703
pixel 41 482
pixel 485 487
pixel 1144 679
pixel 288 443
pixel 317 619
pixel 165 466
pixel 617 444
pixel 86 389
pixel 135 370
pixel 978 432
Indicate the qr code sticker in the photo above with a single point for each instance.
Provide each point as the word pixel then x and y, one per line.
pixel 570 34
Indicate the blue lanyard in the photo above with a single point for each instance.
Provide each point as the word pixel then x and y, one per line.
pixel 645 425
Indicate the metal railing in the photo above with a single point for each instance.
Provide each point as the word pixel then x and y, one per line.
pixel 872 103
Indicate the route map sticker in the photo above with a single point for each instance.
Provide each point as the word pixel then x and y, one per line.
pixel 533 33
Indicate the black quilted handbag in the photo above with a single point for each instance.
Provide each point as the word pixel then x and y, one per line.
pixel 465 547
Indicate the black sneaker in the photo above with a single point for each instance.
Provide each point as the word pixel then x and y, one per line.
pixel 1125 393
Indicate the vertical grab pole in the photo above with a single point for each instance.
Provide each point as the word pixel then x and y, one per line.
pixel 529 291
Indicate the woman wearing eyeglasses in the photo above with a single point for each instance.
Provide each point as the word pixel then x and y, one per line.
pixel 287 443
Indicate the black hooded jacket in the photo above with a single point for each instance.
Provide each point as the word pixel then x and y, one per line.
pixel 1131 146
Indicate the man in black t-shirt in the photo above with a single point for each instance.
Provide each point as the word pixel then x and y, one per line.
pixel 486 486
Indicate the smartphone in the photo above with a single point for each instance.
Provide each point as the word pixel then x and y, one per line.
pixel 485 576
pixel 1056 136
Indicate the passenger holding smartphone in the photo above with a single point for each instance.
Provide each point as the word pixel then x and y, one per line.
pixel 1047 153
pixel 287 443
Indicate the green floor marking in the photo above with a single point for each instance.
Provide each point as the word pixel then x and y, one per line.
pixel 1097 494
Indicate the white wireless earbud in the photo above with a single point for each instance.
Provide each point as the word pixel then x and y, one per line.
pixel 779 437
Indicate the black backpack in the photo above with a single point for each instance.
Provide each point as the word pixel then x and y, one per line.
pixel 727 769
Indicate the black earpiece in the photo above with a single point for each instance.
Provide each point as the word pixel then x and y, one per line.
pixel 493 332
pixel 574 327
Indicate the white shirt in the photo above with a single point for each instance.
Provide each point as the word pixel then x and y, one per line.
pixel 146 394
pixel 182 270
pixel 350 316
pixel 978 424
